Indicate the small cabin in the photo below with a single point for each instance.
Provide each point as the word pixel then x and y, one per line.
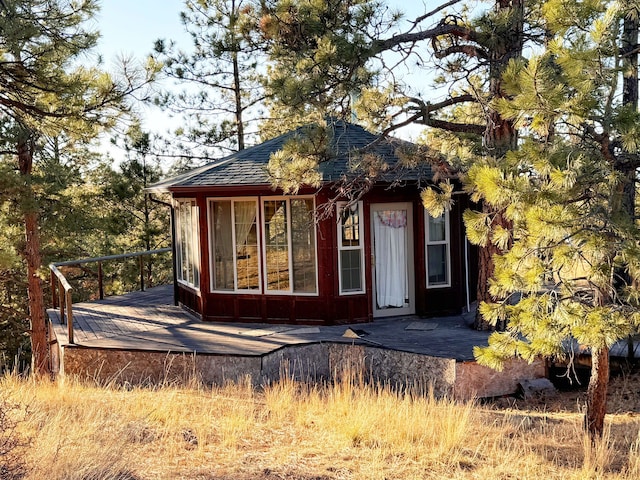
pixel 246 252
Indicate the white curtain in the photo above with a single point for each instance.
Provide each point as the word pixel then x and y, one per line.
pixel 245 216
pixel 390 229
pixel 194 251
pixel 223 246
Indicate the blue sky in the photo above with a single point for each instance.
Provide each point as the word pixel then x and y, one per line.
pixel 130 27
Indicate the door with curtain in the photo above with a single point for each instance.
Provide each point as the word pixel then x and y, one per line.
pixel 392 259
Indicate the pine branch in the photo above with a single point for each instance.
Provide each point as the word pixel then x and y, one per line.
pixel 30 109
pixel 457 31
pixel 426 109
pixel 453 126
pixel 432 13
pixel 469 50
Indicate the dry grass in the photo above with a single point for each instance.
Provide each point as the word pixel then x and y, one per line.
pixel 347 430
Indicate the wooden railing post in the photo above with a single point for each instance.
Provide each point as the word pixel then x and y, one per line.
pixel 63 301
pixel 54 282
pixel 69 316
pixel 141 263
pixel 100 284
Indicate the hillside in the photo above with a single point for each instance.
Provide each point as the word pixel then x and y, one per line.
pixel 73 430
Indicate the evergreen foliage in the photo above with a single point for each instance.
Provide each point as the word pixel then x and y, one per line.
pixel 562 188
pixel 47 92
pixel 219 93
pixel 570 279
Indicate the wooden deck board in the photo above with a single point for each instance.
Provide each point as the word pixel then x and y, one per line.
pixel 149 321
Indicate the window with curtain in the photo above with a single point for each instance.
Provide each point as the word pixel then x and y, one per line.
pixel 438 250
pixel 350 248
pixel 187 242
pixel 303 245
pixel 276 241
pixel 234 244
pixel 285 252
pixel 290 245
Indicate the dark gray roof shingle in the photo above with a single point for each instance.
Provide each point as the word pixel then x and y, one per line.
pixel 348 143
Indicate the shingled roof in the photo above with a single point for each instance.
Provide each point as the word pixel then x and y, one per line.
pixel 249 166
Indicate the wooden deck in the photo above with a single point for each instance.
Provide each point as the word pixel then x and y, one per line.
pixel 148 321
pixel 121 315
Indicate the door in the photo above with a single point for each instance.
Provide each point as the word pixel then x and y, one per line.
pixel 392 259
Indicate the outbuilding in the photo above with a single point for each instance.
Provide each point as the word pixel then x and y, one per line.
pixel 246 252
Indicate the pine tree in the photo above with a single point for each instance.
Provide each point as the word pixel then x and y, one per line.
pixel 220 92
pixel 70 217
pixel 134 221
pixel 43 93
pixel 317 53
pixel 570 278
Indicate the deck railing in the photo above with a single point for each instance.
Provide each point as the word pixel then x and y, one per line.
pixel 61 289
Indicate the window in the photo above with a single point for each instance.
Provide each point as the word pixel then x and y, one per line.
pixel 235 256
pixel 289 245
pixel 303 245
pixel 437 245
pixel 187 242
pixel 274 253
pixel 350 248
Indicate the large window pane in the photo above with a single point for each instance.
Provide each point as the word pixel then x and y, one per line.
pixel 437 257
pixel 351 270
pixel 184 219
pixel 222 246
pixel 303 246
pixel 276 244
pixel 188 242
pixel 235 249
pixel 246 245
pixel 194 250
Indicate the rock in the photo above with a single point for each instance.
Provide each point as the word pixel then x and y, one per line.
pixel 536 387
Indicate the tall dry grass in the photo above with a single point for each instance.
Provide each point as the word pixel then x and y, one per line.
pixel 343 430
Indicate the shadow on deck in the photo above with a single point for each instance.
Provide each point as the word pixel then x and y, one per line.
pixel 141 337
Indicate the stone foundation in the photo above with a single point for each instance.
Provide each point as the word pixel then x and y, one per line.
pixel 476 381
pixel 311 362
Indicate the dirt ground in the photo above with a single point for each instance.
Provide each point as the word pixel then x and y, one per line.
pixel 623 393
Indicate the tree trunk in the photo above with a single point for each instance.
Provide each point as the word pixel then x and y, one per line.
pixel 500 137
pixel 238 100
pixel 485 273
pixel 597 392
pixel 629 50
pixel 147 222
pixel 32 257
pixel 629 98
pixel 237 82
